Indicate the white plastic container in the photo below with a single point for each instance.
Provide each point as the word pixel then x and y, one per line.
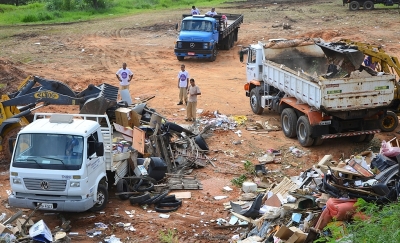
pixel 248 186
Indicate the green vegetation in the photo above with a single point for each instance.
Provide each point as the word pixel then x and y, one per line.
pixel 61 11
pixel 168 237
pixel 381 225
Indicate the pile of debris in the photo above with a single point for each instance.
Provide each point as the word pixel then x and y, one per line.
pixel 298 209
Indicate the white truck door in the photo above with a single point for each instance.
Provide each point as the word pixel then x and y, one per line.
pixel 252 68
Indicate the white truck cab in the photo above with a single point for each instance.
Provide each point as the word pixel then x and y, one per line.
pixel 59 163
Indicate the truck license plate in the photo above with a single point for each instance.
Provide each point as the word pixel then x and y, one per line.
pixel 191 53
pixel 46 205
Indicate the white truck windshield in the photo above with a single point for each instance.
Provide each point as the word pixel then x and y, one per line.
pixel 49 151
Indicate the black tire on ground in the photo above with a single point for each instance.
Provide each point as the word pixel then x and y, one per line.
pixel 358 138
pixel 318 141
pixel 122 186
pixel 199 140
pixel 175 203
pixel 138 199
pixel 214 53
pixel 255 101
pixel 145 187
pixel 165 210
pixel 369 137
pixel 389 123
pixel 174 127
pixel 288 122
pixel 180 58
pixel 368 5
pixel 354 5
pixel 304 131
pixel 169 198
pixel 102 198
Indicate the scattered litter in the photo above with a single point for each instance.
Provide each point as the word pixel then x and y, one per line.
pixel 100 225
pixel 220 197
pixel 164 216
pixel 221 221
pixel 227 188
pixel 266 158
pixel 233 220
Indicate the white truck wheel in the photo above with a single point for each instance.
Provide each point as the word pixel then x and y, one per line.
pixel 304 130
pixel 102 198
pixel 288 121
pixel 255 101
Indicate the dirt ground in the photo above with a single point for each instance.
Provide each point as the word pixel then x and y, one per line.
pixel 91 52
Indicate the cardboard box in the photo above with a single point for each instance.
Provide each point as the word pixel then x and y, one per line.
pixel 123 117
pixel 290 235
pixel 126 117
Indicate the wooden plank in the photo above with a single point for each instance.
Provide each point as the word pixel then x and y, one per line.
pixel 359 168
pixel 182 195
pixel 138 140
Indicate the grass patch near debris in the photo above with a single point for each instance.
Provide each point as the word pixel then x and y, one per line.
pixel 168 237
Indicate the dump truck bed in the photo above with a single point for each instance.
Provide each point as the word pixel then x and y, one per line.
pixel 331 95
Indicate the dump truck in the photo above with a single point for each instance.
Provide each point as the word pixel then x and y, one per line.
pixel 201 36
pixel 35 92
pixel 355 5
pixel 320 89
pixel 63 162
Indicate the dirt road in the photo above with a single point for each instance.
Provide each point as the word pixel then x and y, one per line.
pixel 91 52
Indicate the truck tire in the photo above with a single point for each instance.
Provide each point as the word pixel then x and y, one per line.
pixel 255 101
pixel 214 54
pixel 389 123
pixel 304 130
pixel 288 121
pixel 102 198
pixel 369 137
pixel 180 58
pixel 122 186
pixel 368 5
pixel 318 141
pixel 354 5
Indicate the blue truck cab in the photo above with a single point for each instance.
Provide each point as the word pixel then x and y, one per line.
pixel 200 36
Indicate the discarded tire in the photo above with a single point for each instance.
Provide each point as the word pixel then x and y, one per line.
pixel 155 199
pixel 199 140
pixel 170 204
pixel 138 199
pixel 122 186
pixel 173 127
pixel 169 198
pixel 144 186
pixel 165 210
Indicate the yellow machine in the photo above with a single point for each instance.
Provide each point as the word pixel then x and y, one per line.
pixel 36 92
pixel 388 64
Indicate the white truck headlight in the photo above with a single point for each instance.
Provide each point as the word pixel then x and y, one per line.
pixel 17 181
pixel 74 184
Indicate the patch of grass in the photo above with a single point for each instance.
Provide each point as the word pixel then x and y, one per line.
pixel 249 167
pixel 168 237
pixel 239 180
pixel 378 219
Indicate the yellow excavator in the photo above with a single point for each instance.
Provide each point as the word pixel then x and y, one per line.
pixel 35 92
pixel 388 64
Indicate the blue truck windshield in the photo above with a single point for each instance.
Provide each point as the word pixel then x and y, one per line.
pixel 48 151
pixel 196 25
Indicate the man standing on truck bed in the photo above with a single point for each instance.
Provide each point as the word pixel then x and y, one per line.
pixel 183 80
pixel 124 75
pixel 194 11
pixel 211 13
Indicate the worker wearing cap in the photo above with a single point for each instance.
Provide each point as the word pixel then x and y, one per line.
pixel 224 20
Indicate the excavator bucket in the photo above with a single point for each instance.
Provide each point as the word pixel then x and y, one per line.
pixel 100 99
pixel 342 51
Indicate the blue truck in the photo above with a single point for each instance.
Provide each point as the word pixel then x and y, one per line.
pixel 201 36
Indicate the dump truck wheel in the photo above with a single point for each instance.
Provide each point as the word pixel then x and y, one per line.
pixel 318 141
pixel 288 121
pixel 255 101
pixel 369 137
pixel 122 186
pixel 102 198
pixel 354 6
pixel 368 5
pixel 6 154
pixel 180 58
pixel 304 131
pixel 389 123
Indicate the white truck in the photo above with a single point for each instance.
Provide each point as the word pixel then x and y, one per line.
pixel 61 161
pixel 320 89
